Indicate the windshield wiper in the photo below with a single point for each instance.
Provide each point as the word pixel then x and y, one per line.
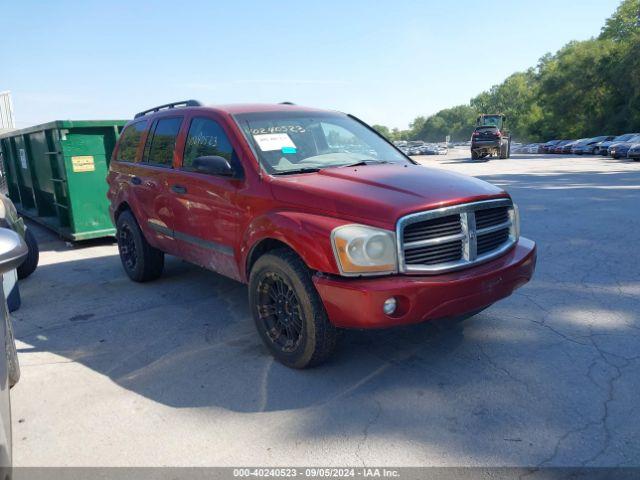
pixel 363 162
pixel 298 170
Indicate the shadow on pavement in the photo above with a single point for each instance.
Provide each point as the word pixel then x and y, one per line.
pixel 558 360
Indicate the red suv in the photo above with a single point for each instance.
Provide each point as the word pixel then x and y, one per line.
pixel 326 221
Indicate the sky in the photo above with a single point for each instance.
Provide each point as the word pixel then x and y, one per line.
pixel 385 62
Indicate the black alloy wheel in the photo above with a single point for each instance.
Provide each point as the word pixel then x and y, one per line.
pixel 127 244
pixel 280 311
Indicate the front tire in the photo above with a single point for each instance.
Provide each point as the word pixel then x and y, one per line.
pixel 140 261
pixel 288 312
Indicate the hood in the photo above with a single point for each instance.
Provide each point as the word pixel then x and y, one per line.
pixel 380 194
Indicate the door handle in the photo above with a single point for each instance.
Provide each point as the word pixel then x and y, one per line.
pixel 136 180
pixel 178 189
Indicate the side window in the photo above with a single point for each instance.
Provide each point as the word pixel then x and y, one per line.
pixel 206 137
pixel 129 141
pixel 162 143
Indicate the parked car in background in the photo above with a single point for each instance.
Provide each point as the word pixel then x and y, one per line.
pixel 603 147
pixel 634 152
pixel 433 149
pixel 13 250
pixel 567 148
pixel 557 149
pixel 244 193
pixel 532 148
pixel 549 146
pixel 621 149
pixel 588 147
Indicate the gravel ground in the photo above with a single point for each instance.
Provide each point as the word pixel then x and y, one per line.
pixel 173 373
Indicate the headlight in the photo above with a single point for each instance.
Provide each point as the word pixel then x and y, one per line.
pixel 515 222
pixel 362 250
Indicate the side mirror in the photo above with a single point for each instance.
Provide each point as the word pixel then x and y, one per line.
pixel 13 250
pixel 213 165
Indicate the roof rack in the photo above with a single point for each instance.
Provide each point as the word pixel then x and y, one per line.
pixel 184 103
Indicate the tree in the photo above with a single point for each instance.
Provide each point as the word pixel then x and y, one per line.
pixel 624 22
pixel 382 130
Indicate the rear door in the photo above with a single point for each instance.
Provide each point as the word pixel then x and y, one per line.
pixel 155 174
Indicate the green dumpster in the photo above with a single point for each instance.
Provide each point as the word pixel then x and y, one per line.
pixel 56 173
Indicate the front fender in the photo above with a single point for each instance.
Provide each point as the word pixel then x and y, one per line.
pixel 307 234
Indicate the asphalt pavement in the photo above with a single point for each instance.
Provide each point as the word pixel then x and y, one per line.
pixel 173 373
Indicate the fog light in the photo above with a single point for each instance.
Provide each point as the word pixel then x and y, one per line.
pixel 389 306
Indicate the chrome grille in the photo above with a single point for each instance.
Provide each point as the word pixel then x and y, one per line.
pixel 491 216
pixel 455 237
pixel 434 254
pixel 491 241
pixel 438 227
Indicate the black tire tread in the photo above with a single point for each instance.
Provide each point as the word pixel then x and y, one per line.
pixel 325 334
pixel 151 262
pixel 33 256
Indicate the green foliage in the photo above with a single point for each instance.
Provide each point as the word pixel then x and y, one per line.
pixel 623 23
pixel 586 88
pixel 457 122
pixel 382 130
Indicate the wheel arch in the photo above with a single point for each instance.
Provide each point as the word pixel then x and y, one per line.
pixel 307 235
pixel 122 207
pixel 262 247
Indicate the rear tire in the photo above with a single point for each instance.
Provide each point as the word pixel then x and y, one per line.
pixel 474 155
pixel 504 151
pixel 140 261
pixel 33 256
pixel 288 312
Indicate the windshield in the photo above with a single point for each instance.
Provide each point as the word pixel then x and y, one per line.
pixel 625 137
pixel 291 142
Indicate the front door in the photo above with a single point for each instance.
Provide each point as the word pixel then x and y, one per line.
pixel 207 215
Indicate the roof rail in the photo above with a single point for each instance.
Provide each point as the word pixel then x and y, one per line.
pixel 184 103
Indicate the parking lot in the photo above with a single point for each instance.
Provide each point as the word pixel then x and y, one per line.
pixel 173 373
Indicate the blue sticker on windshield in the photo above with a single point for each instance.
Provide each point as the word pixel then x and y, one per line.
pixel 289 150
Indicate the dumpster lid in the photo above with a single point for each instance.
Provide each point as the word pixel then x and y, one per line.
pixel 58 124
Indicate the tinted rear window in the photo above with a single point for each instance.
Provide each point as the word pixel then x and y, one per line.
pixel 163 143
pixel 129 141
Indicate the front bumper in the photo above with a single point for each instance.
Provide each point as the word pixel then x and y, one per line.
pixel 357 303
pixel 619 152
